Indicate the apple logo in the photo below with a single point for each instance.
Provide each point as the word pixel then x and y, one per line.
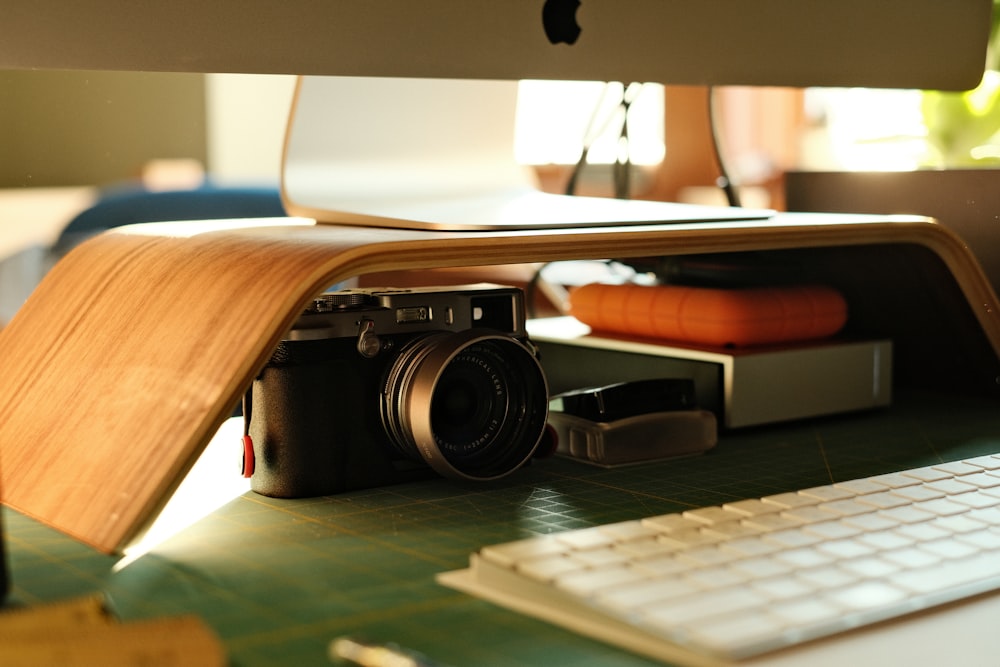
pixel 559 21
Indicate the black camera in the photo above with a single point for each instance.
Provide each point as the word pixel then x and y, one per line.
pixel 381 386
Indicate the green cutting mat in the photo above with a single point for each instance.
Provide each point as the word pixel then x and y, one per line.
pixel 278 579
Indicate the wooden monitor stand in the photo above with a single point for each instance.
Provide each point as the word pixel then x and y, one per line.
pixel 135 348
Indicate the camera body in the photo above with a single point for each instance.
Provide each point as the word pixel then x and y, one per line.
pixel 380 386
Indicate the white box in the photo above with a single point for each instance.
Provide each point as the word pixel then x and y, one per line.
pixel 743 387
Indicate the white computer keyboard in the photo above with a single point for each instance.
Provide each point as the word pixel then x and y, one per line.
pixel 725 583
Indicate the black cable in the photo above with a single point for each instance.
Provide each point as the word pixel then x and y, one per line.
pixel 574 175
pixel 588 139
pixel 622 166
pixel 531 292
pixel 724 180
pixel 623 158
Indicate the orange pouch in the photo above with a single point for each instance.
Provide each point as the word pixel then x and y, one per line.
pixel 712 316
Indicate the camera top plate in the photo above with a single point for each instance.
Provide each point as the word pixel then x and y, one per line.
pixel 388 310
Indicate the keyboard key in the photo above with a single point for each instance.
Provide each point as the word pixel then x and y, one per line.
pixel 586 538
pixel 752 507
pixel 906 514
pixel 918 493
pixel 982 539
pixel 586 582
pixel 600 557
pixel 711 515
pixel 986 462
pixel 511 553
pixel 927 474
pixel 949 548
pixel 870 567
pixel 885 540
pixel 751 546
pixel 832 530
pixel 734 529
pixel 791 538
pixel 804 557
pixel 981 567
pixel 869 522
pixel 810 514
pixel 769 522
pixel 949 487
pixel 761 567
pixel 730 634
pixel 789 500
pixel 922 532
pixel 690 538
pixel 977 499
pixel 691 608
pixel 708 578
pixel 867 595
pixel 628 530
pixel 827 577
pixel 783 587
pixel 894 480
pixel 957 524
pixel 661 566
pixel 707 555
pixel 909 557
pixel 848 507
pixel 671 522
pixel 638 594
pixel 981 479
pixel 884 500
pixel 644 548
pixel 843 549
pixel 808 611
pixel 957 468
pixel 941 507
pixel 988 515
pixel 828 493
pixel 547 569
pixel 860 486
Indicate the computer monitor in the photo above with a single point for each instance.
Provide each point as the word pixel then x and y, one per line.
pixel 401 45
pixel 883 43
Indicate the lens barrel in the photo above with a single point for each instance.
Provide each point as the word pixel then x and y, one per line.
pixel 472 404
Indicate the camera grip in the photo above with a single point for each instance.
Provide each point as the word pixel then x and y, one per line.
pixel 294 451
pixel 316 426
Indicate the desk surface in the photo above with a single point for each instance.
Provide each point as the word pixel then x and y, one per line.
pixel 278 579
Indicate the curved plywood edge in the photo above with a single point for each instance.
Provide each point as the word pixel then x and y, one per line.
pixel 134 349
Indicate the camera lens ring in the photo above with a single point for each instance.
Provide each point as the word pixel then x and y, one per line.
pixel 427 416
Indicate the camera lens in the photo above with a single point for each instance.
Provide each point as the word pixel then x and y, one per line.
pixel 472 405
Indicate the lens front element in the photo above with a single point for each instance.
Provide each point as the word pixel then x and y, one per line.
pixel 472 405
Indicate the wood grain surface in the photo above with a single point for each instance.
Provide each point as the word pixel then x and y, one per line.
pixel 83 631
pixel 135 348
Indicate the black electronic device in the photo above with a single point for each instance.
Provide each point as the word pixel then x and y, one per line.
pixel 627 399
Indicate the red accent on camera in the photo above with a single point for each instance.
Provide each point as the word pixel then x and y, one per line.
pixel 248 460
